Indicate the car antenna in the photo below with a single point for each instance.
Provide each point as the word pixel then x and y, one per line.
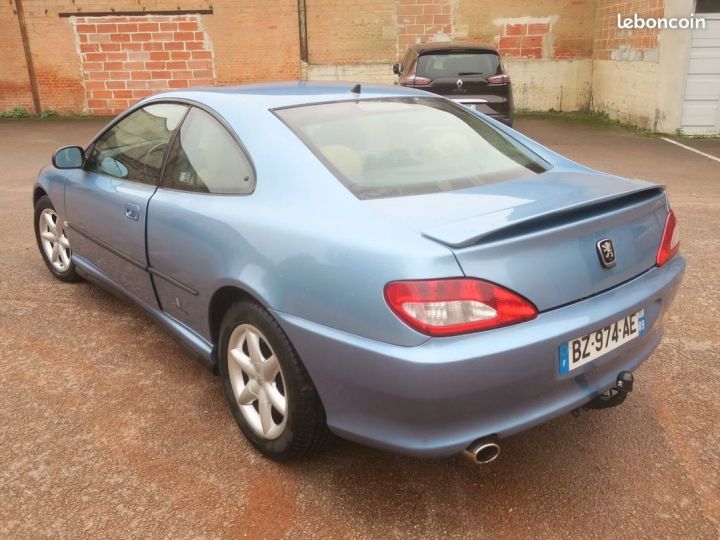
pixel 356 89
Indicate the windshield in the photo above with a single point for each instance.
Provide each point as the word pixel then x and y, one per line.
pixel 408 146
pixel 440 65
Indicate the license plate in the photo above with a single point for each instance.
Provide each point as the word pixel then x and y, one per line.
pixel 584 349
pixel 470 105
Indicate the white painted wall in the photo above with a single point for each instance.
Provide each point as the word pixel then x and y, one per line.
pixel 626 91
pixel 647 92
pixel 542 85
pixel 357 73
pixel 672 66
pixel 538 85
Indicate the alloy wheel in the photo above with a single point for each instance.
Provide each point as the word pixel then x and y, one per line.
pixel 257 381
pixel 53 240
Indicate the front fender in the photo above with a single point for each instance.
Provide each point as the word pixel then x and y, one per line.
pixel 51 182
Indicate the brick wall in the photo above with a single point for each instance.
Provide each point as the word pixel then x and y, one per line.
pixel 340 33
pixel 423 20
pixel 244 41
pixel 561 29
pixel 524 39
pixel 254 40
pixel 613 43
pixel 626 67
pixel 55 56
pixel 123 59
pixel 14 82
pixel 103 64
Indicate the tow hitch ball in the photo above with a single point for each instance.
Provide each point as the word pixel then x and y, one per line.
pixel 614 396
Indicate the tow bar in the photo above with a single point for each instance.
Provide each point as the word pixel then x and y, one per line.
pixel 615 396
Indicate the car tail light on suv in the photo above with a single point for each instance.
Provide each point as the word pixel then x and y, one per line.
pixel 499 79
pixel 445 307
pixel 414 80
pixel 670 243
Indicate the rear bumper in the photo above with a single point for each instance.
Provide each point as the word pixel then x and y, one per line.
pixel 436 398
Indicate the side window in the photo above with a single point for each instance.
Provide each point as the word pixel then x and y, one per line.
pixel 134 148
pixel 206 159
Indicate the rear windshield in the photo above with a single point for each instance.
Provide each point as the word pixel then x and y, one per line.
pixel 439 65
pixel 395 147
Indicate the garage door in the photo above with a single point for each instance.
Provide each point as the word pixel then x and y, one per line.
pixel 701 108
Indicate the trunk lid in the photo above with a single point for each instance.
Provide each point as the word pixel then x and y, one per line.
pixel 538 236
pixel 478 94
pixel 465 87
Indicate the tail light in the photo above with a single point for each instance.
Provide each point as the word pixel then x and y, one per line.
pixel 670 243
pixel 445 307
pixel 416 81
pixel 499 79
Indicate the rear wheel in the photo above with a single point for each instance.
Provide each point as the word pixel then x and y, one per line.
pixel 268 389
pixel 53 243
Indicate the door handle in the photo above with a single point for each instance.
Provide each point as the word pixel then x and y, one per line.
pixel 132 211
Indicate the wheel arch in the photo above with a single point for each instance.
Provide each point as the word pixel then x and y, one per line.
pixel 221 300
pixel 38 191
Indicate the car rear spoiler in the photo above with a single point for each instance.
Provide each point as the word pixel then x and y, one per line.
pixel 525 219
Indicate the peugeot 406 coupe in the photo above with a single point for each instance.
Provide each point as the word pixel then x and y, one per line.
pixel 377 262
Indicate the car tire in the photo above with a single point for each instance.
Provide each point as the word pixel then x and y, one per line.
pixel 302 429
pixel 63 268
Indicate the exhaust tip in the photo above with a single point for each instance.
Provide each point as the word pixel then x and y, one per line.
pixel 482 451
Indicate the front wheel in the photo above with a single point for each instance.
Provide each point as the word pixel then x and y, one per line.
pixel 51 240
pixel 269 391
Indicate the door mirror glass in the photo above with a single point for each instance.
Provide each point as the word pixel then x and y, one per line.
pixel 69 157
pixel 396 69
pixel 113 167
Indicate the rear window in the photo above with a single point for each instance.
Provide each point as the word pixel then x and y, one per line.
pixel 395 147
pixel 439 65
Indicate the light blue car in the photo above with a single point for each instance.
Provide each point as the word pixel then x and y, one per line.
pixel 376 262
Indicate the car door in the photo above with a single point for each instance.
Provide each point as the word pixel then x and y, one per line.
pixel 106 202
pixel 191 244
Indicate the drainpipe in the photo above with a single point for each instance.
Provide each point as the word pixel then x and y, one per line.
pixel 28 55
pixel 302 30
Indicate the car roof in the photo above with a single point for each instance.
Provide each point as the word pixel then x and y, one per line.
pixel 288 94
pixel 424 48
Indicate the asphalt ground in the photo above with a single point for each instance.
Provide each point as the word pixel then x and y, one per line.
pixel 109 429
pixel 709 146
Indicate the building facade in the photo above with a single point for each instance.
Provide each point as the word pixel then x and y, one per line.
pixel 101 56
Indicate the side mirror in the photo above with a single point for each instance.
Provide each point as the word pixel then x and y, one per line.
pixel 396 69
pixel 69 157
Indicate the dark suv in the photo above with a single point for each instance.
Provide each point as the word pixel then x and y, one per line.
pixel 469 74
